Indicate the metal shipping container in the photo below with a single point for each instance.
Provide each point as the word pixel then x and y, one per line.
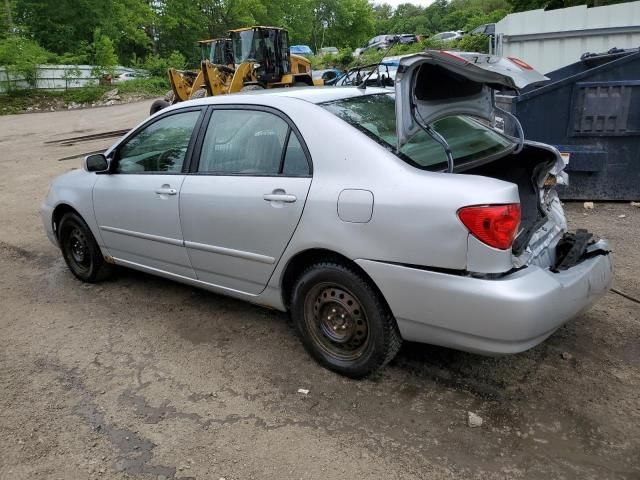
pixel 591 112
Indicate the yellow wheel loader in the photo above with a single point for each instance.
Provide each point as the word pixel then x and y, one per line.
pixel 253 58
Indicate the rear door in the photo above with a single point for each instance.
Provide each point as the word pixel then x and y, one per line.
pixel 243 199
pixel 438 84
pixel 136 204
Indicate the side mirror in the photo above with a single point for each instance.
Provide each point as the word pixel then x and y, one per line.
pixel 97 163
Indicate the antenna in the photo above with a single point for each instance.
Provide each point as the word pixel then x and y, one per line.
pixel 394 41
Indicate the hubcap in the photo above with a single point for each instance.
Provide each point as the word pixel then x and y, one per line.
pixel 77 248
pixel 336 321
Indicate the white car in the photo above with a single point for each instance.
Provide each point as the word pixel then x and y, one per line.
pixel 372 216
pixel 448 36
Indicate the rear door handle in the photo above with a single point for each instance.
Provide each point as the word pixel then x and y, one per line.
pixel 166 191
pixel 279 197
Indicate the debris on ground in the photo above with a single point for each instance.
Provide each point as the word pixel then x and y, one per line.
pixel 303 391
pixel 474 420
pixel 588 205
pixel 566 356
pixel 635 204
pixel 622 216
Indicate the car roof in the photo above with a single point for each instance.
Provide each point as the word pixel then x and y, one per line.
pixel 309 94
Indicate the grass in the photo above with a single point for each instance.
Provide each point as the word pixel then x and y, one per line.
pixel 18 101
pixel 147 86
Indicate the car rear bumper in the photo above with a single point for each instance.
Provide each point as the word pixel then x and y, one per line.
pixel 498 316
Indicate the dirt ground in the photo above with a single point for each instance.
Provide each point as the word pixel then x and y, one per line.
pixel 140 377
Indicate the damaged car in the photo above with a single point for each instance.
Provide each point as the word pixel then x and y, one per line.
pixel 407 216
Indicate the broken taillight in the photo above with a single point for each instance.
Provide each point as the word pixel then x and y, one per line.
pixel 495 225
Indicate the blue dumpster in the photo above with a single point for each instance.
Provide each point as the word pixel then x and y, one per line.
pixel 589 110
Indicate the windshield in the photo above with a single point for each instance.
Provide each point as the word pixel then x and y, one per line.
pixel 249 45
pixel 375 115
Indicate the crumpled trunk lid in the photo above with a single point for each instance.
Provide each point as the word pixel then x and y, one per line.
pixel 437 84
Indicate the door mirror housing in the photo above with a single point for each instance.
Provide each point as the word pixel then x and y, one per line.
pixel 97 163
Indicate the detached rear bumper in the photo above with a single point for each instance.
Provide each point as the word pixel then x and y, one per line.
pixel 506 315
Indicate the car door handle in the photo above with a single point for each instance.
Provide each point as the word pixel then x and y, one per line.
pixel 166 191
pixel 279 197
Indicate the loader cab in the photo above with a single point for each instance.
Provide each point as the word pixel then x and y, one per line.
pixel 266 46
pixel 218 51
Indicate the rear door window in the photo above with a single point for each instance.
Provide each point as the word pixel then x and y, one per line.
pixel 251 142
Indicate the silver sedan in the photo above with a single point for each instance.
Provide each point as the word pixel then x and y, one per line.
pixel 371 216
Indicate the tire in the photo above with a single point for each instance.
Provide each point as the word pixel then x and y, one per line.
pixel 342 321
pixel 170 97
pixel 81 251
pixel 200 93
pixel 157 106
pixel 300 84
pixel 252 87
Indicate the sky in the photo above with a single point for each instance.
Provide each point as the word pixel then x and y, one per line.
pixel 395 3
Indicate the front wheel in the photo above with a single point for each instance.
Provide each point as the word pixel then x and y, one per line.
pixel 342 321
pixel 81 251
pixel 157 106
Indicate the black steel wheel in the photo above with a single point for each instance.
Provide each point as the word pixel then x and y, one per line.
pixel 158 105
pixel 80 250
pixel 343 321
pixel 336 321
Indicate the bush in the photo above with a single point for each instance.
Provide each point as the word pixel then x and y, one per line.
pixel 158 66
pixel 474 43
pixel 147 86
pixel 86 94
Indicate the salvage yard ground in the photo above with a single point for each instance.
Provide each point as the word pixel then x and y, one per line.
pixel 140 377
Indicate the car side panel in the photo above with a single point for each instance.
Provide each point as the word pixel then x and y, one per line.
pixel 74 189
pixel 414 217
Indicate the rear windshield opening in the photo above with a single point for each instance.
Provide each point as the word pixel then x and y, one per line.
pixel 375 115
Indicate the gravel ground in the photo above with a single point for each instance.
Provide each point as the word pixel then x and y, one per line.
pixel 140 377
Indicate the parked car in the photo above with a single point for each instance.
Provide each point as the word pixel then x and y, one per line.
pixel 303 50
pixel 126 76
pixel 328 51
pixel 380 42
pixel 486 29
pixel 407 38
pixel 405 217
pixel 379 75
pixel 329 75
pixel 448 36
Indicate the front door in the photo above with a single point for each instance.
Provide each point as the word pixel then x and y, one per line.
pixel 243 202
pixel 137 205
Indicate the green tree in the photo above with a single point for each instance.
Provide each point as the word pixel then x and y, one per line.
pixel 20 57
pixel 104 55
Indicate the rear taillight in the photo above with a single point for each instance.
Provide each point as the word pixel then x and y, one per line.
pixel 495 225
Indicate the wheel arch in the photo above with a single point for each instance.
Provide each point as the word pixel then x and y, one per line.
pixel 302 260
pixel 60 211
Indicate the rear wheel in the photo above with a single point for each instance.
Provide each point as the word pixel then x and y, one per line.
pixel 170 97
pixel 157 106
pixel 81 251
pixel 342 321
pixel 252 87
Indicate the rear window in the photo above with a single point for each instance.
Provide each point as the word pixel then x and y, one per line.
pixel 375 116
